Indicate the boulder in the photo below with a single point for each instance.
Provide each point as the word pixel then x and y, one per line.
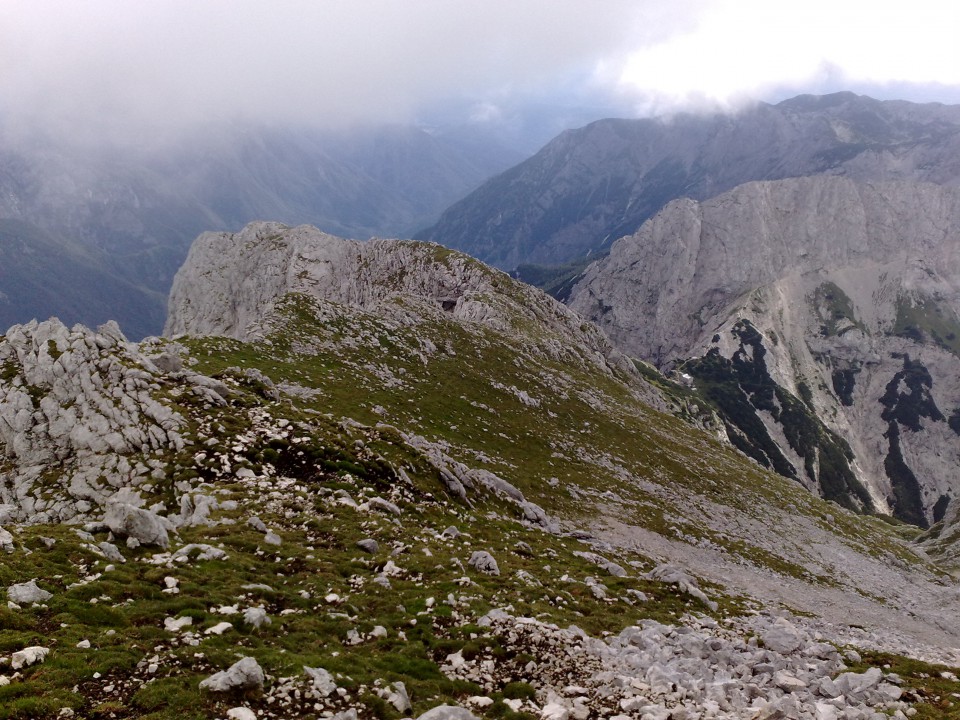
pixel 783 637
pixel 28 656
pixel 368 545
pixel 146 527
pixel 26 593
pixel 484 562
pixel 6 541
pixel 399 698
pixel 323 681
pixel 245 674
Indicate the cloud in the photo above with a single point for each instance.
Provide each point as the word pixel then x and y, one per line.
pixel 115 68
pixel 748 48
pixel 114 65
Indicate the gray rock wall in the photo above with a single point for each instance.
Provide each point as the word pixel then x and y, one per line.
pixel 844 282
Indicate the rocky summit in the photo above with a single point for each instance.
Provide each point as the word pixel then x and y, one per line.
pixel 383 480
pixel 820 316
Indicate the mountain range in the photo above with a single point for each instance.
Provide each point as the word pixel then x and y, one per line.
pixel 590 186
pixel 386 479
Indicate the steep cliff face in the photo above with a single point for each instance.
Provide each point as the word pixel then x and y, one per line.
pixel 824 317
pixel 589 187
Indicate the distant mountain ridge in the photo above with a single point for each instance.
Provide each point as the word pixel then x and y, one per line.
pixel 590 186
pixel 138 210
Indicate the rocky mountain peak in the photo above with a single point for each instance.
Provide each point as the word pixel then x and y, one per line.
pixel 231 282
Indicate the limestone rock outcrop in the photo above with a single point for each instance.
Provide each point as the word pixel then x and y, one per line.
pixel 844 296
pixel 231 282
pixel 244 674
pixel 83 414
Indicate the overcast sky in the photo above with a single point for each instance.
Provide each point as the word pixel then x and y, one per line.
pixel 132 66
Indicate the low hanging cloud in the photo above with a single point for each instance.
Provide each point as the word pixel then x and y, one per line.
pixel 113 65
pixel 114 68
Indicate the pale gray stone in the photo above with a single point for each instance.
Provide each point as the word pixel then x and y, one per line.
pixel 382 505
pixel 111 552
pixel 256 616
pixel 368 545
pixel 145 527
pixel 257 524
pixel 323 681
pixel 245 674
pixel 6 541
pixel 26 593
pixel 484 562
pixel 28 656
pixel 399 698
pixel 448 712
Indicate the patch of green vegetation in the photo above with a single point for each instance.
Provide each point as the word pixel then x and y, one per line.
pixel 933 696
pixel 926 320
pixel 9 369
pixel 53 350
pixel 835 311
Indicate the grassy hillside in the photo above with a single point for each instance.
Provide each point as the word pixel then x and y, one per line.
pixel 343 426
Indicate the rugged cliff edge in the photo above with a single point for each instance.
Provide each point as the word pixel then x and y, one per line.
pixel 822 314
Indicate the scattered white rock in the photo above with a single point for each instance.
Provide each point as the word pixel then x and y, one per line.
pixel 448 712
pixel 323 681
pixel 369 545
pixel 176 624
pixel 241 713
pixel 399 698
pixel 256 616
